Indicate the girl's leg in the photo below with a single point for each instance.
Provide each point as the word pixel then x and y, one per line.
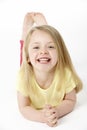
pixel 21 49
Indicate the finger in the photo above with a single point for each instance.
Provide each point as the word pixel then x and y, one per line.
pixel 52 117
pixel 54 121
pixel 47 114
pixel 52 124
pixel 48 106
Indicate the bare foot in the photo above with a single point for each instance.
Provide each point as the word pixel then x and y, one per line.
pixel 39 19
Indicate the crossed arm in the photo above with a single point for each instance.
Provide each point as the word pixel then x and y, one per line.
pixel 48 114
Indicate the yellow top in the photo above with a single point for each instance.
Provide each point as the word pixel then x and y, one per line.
pixel 40 97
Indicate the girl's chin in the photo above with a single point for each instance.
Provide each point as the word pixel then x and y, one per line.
pixel 44 68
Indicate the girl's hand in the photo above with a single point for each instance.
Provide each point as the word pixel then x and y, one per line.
pixel 51 114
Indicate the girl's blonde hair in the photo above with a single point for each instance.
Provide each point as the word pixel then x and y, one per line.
pixel 64 60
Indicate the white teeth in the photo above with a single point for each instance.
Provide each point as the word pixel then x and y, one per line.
pixel 43 59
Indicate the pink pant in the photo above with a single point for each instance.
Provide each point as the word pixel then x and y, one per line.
pixel 21 48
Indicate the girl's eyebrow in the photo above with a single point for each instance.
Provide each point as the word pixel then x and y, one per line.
pixel 50 42
pixel 35 42
pixel 39 42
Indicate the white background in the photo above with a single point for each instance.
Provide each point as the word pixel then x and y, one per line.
pixel 68 16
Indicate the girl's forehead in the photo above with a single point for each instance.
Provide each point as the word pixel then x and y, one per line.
pixel 39 34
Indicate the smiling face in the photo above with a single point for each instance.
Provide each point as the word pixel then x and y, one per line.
pixel 42 51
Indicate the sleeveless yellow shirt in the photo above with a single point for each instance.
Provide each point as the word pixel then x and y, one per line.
pixel 40 97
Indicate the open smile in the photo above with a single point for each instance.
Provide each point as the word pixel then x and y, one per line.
pixel 43 60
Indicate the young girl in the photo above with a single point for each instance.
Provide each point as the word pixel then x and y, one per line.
pixel 47 82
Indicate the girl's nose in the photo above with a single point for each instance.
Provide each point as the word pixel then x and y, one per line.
pixel 43 51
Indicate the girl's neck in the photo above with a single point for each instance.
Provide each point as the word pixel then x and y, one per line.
pixel 44 79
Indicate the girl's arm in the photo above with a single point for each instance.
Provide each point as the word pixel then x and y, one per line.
pixel 29 112
pixel 66 106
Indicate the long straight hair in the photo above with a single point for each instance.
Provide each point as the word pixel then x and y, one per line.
pixel 64 59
